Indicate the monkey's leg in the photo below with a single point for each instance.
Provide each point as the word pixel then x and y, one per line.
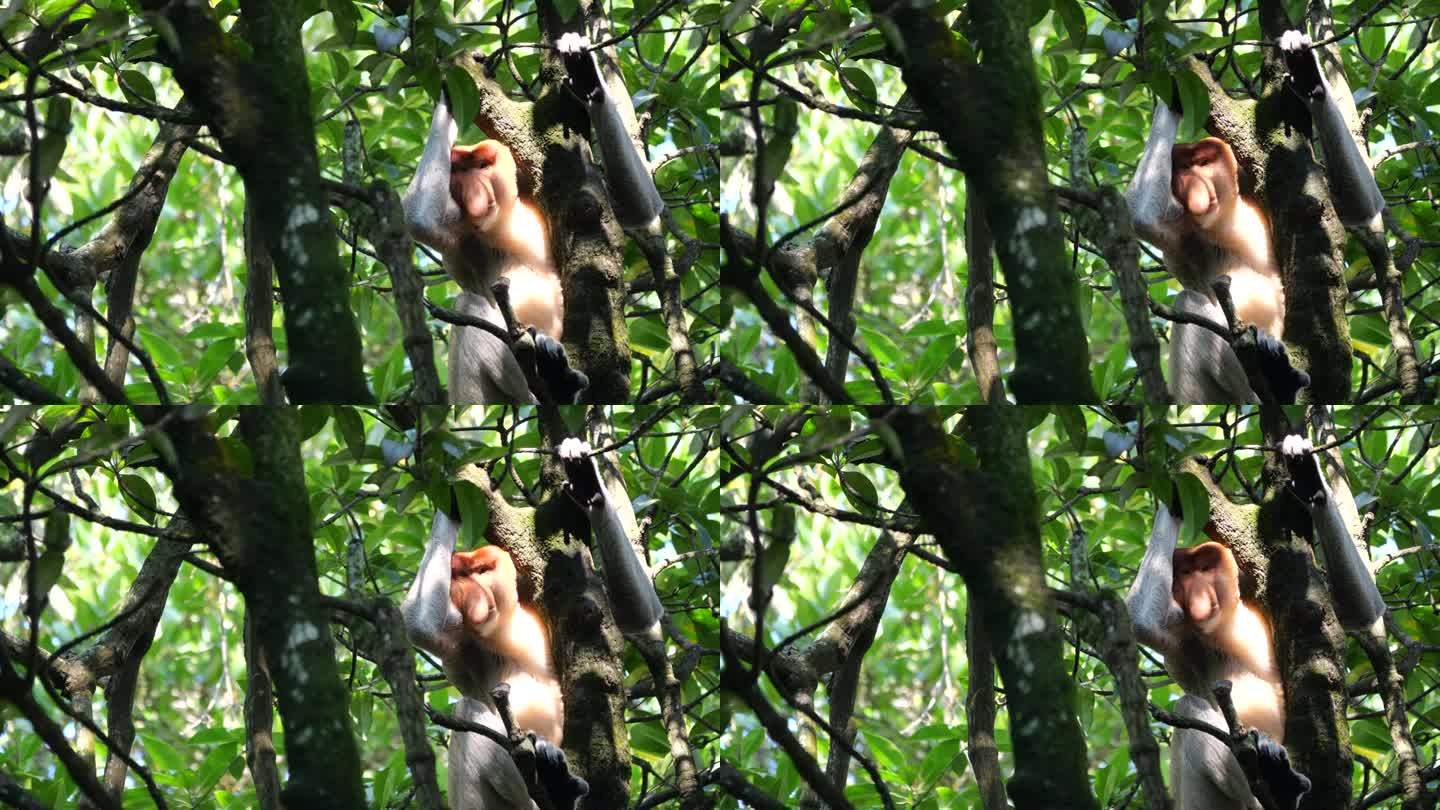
pixel 1203 368
pixel 632 594
pixel 483 775
pixel 483 370
pixel 1203 773
pixel 1287 786
pixel 1285 380
pixel 1358 602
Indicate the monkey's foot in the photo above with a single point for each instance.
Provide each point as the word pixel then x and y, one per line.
pixel 1303 66
pixel 1287 785
pixel 552 771
pixel 564 382
pixel 580 65
pixel 1285 380
pixel 581 474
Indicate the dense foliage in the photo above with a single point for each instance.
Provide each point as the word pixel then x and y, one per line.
pixel 833 517
pixel 370 484
pixel 373 73
pixel 825 86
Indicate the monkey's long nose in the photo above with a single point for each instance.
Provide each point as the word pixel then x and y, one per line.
pixel 1201 605
pixel 1197 198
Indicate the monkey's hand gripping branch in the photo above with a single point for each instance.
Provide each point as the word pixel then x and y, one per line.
pixel 632 594
pixel 1279 380
pixel 1358 603
pixel 430 616
pixel 632 188
pixel 1266 764
pixel 1353 189
pixel 1153 609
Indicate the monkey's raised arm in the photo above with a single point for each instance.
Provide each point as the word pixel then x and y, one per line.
pixel 1152 203
pixel 632 594
pixel 632 188
pixel 430 210
pixel 1353 188
pixel 1357 599
pixel 1152 606
pixel 431 618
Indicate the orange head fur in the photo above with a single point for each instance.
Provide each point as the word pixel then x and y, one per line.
pixel 1205 178
pixel 483 587
pixel 483 182
pixel 1206 585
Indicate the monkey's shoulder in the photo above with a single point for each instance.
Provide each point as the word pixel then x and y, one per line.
pixel 1195 663
pixel 475 668
pixel 474 263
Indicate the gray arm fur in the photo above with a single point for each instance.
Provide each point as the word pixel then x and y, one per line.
pixel 1152 204
pixel 431 618
pixel 633 600
pixel 1204 370
pixel 483 775
pixel 1358 603
pixel 430 211
pixel 632 187
pixel 1152 608
pixel 1353 189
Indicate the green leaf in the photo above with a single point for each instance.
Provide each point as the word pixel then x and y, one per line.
pixel 352 430
pixel 161 753
pixel 217 356
pixel 136 85
pixel 1195 99
pixel 161 351
pixel 214 766
pixel 464 97
pixel 859 87
pixel 138 491
pixel 784 127
pixel 1072 422
pixel 932 360
pixel 1072 16
pixel 53 137
pixel 1195 503
pixel 861 491
pixel 566 8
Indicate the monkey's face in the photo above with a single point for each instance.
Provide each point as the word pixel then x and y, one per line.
pixel 1206 585
pixel 483 588
pixel 1204 177
pixel 483 182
